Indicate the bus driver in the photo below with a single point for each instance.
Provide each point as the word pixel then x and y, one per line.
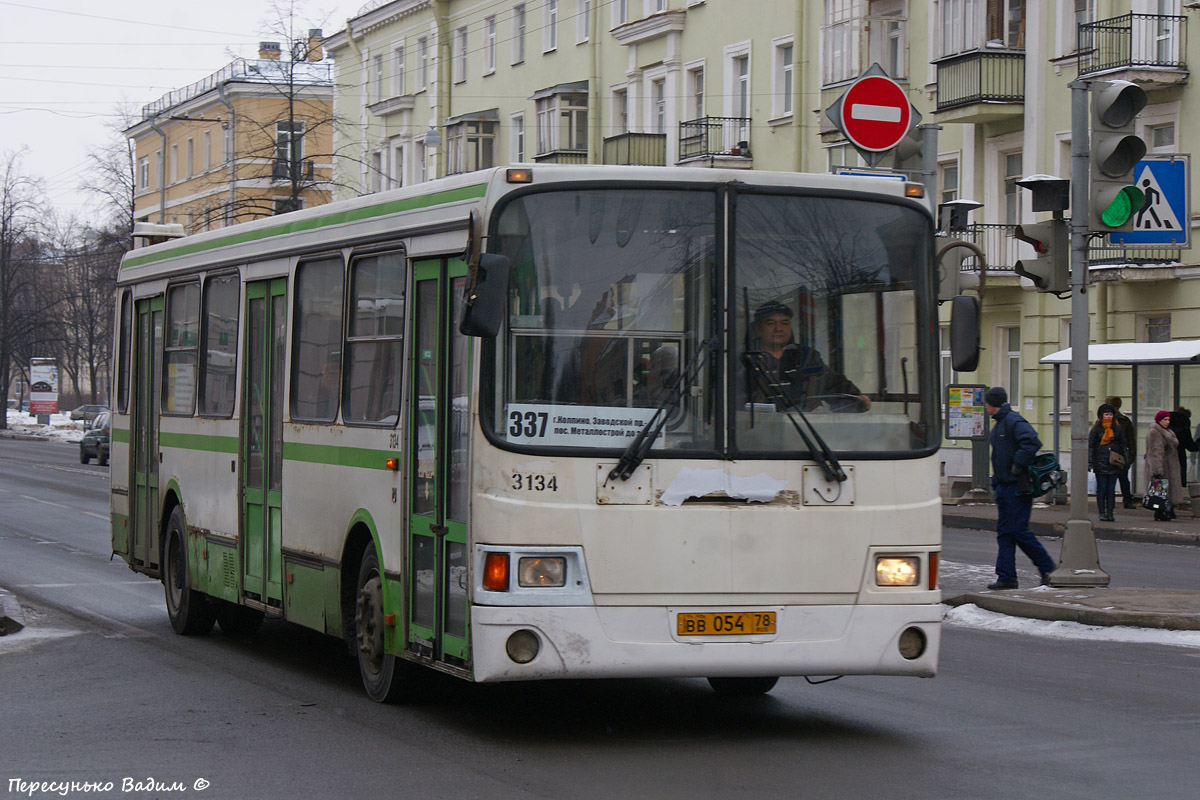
pixel 793 374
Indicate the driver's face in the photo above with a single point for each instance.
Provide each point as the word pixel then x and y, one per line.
pixel 774 329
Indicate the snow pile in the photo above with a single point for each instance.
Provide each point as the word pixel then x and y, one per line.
pixel 972 616
pixel 61 428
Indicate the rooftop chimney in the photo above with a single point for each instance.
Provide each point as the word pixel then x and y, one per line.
pixel 268 51
pixel 315 51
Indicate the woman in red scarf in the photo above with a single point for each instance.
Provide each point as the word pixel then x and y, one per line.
pixel 1108 453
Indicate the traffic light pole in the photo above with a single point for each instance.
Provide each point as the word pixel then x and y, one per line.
pixel 1079 563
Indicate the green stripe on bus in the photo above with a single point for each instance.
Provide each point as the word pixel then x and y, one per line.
pixel 199 441
pixel 410 204
pixel 120 434
pixel 337 456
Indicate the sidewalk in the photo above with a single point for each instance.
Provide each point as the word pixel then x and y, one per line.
pixel 1172 609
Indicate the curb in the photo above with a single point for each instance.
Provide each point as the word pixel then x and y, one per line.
pixel 1055 530
pixel 11 617
pixel 1056 612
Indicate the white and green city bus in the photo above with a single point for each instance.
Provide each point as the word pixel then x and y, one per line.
pixel 520 424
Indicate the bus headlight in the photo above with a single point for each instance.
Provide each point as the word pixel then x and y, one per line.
pixel 542 571
pixel 897 571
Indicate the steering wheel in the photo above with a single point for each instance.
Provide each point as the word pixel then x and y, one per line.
pixel 837 403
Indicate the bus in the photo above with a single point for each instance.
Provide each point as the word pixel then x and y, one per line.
pixel 544 422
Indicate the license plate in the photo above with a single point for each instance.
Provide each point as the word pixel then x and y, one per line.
pixel 734 623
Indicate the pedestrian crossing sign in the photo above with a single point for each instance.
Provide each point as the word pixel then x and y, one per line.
pixel 1165 219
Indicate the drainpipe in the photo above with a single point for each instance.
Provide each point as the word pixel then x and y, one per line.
pixel 800 121
pixel 442 76
pixel 228 150
pixel 595 142
pixel 162 168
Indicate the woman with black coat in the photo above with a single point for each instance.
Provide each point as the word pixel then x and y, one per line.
pixel 1108 453
pixel 1181 426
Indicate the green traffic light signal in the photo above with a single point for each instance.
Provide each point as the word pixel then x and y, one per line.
pixel 1128 201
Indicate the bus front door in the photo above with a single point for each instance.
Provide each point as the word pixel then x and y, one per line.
pixel 262 442
pixel 143 521
pixel 437 546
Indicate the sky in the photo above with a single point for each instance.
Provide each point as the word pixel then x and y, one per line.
pixel 68 67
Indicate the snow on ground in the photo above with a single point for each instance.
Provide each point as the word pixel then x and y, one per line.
pixel 972 616
pixel 61 428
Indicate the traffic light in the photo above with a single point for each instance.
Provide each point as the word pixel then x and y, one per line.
pixel 1116 149
pixel 1050 271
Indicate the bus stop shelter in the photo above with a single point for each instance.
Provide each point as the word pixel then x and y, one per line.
pixel 1132 354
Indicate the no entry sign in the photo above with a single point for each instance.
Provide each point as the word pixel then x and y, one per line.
pixel 875 113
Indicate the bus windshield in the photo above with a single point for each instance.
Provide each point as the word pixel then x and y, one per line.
pixel 621 303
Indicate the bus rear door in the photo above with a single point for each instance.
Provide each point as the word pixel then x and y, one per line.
pixel 143 521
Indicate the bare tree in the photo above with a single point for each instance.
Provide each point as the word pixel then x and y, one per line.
pixel 23 302
pixel 112 172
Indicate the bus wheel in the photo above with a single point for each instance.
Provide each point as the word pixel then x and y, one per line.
pixel 380 670
pixel 742 687
pixel 188 609
pixel 238 620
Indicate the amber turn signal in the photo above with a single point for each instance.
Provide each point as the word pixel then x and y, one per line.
pixel 393 463
pixel 495 572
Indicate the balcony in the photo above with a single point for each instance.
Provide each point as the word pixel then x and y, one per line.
pixel 636 149
pixel 562 157
pixel 1148 49
pixel 715 141
pixel 984 86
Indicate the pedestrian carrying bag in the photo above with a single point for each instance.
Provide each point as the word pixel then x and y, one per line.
pixel 1044 475
pixel 1156 494
pixel 1115 459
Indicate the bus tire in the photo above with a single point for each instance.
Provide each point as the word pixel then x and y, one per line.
pixel 238 620
pixel 189 610
pixel 381 671
pixel 742 687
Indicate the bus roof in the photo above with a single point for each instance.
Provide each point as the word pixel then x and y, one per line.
pixel 437 203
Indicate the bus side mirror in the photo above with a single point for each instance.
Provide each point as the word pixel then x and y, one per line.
pixel 964 333
pixel 486 297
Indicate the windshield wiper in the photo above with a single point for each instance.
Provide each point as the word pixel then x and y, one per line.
pixel 821 452
pixel 639 448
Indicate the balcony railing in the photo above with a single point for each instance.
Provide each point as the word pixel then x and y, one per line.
pixel 982 77
pixel 1003 252
pixel 562 157
pixel 714 136
pixel 1133 40
pixel 641 149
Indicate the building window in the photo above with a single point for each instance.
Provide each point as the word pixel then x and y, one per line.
pixel 1006 23
pixel 207 150
pixel 470 146
pixel 518 37
pixel 1161 138
pixel 489 45
pixel 174 163
pixel 620 111
pixel 398 70
pixel 1012 192
pixel 658 100
pixel 583 20
pixel 741 86
pixel 144 172
pixel 518 138
pixel 1155 390
pixel 460 55
pixel 286 205
pixel 183 341
pixel 218 369
pixel 695 90
pixel 396 179
pixel 289 148
pixel 550 31
pixel 422 64
pixel 159 171
pixel 947 181
pixel 886 26
pixel 562 123
pixel 190 160
pixel 782 78
pixel 948 374
pixel 620 12
pixel 1011 344
pixel 841 156
pixel 377 78
pixel 838 58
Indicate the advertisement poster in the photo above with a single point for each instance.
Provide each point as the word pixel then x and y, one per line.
pixel 966 417
pixel 43 387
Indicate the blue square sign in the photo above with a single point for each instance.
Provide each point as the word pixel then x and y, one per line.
pixel 1165 220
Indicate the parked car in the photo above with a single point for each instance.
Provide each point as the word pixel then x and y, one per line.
pixel 94 443
pixel 88 413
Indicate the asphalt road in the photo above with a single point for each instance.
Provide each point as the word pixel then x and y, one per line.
pixel 100 689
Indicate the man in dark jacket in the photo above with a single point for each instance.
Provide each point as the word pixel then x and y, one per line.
pixel 1014 446
pixel 1126 426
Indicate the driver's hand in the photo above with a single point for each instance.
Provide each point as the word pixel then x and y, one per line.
pixel 866 401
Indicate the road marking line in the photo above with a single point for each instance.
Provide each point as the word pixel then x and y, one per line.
pixel 44 502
